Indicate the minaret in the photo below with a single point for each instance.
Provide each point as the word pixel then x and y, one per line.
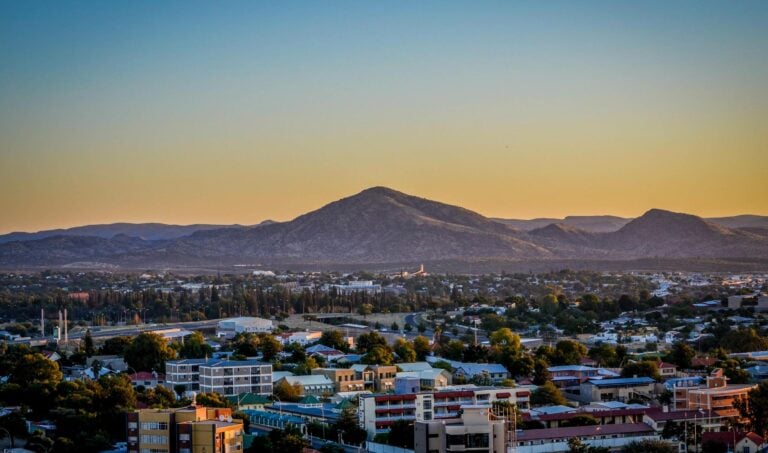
pixel 58 333
pixel 66 330
pixel 42 322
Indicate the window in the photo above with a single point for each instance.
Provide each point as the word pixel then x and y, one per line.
pixel 152 439
pixel 477 441
pixel 183 436
pixel 154 425
pixel 133 425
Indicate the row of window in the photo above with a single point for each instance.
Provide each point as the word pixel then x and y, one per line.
pixel 154 425
pixel 153 439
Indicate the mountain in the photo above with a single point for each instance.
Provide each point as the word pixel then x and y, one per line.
pixel 381 226
pixel 148 231
pixel 741 221
pixel 595 223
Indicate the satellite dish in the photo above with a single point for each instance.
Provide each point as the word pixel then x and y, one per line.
pixel 229 419
pixel 221 418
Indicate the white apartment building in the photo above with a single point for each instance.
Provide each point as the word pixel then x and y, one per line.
pixel 377 413
pixel 227 377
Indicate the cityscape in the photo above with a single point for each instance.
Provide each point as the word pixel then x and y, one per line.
pixel 384 227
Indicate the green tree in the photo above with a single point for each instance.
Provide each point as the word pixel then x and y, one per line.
pixel 645 368
pixel 334 339
pixel 287 392
pixel 681 355
pixel 347 426
pixel 604 354
pixel 744 340
pixel 569 352
pixel 195 347
pixel 88 341
pixel 454 350
pixel 541 372
pixel 115 346
pixel 754 408
pixel 378 355
pixel 367 341
pixel 548 394
pixel 269 346
pixel 404 350
pixel 148 352
pixel 422 347
pixel 212 399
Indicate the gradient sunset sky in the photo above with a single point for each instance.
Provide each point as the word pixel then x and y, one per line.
pixel 236 112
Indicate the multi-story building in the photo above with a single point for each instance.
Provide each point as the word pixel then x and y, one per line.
pixel 183 373
pixel 227 377
pixel 612 437
pixel 377 378
pixel 475 429
pixel 344 379
pixel 618 389
pixel 233 377
pixel 716 395
pixel 377 413
pixel 313 384
pixel 193 429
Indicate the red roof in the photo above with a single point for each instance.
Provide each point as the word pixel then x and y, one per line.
pixel 667 365
pixel 727 437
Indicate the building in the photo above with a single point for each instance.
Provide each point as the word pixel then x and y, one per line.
pixel 486 373
pixel 744 442
pixel 146 379
pixel 618 389
pixel 233 377
pixel 377 378
pixel 302 338
pixel 377 413
pixel 228 328
pixel 614 437
pixel 476 428
pixel 716 395
pixel 658 418
pixel 432 378
pixel 184 374
pixel 227 377
pixel 344 379
pixel 571 375
pixel 667 370
pixel 314 384
pixel 193 429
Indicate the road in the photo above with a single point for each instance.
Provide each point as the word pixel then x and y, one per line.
pixel 109 332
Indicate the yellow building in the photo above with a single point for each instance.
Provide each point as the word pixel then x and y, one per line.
pixel 193 429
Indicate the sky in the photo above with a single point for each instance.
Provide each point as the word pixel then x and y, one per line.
pixel 236 112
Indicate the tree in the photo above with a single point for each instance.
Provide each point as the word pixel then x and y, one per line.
pixel 35 369
pixel 681 355
pixel 348 428
pixel 541 372
pixel 569 352
pixel 367 341
pixel 604 354
pixel 645 368
pixel 506 338
pixel 579 420
pixel 115 346
pixel 454 350
pixel 212 399
pixel 378 355
pixel 16 426
pixel 422 347
pixel 88 341
pixel 744 340
pixel 754 408
pixel 148 352
pixel 269 346
pixel 405 350
pixel 287 392
pixel 195 347
pixel 334 339
pixel 548 394
pixel 246 344
pixel 649 446
pixel 401 434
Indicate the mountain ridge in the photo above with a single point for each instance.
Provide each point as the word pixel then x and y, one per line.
pixel 382 225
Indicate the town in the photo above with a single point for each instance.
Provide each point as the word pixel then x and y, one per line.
pixel 567 361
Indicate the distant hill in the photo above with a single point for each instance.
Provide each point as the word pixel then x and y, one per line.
pixel 381 226
pixel 608 223
pixel 148 231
